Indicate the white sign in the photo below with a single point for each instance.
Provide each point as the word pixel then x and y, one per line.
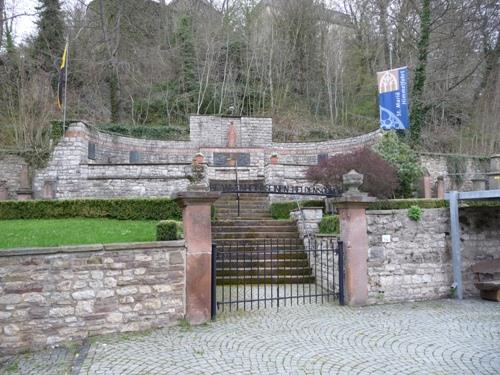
pixel 386 238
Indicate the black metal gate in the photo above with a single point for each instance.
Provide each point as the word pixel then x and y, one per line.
pixel 273 273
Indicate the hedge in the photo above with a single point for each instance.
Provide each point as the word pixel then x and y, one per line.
pixel 167 230
pixel 122 209
pixel 281 210
pixel 397 204
pixel 400 204
pixel 329 224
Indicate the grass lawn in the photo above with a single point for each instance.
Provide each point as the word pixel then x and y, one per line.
pixel 55 232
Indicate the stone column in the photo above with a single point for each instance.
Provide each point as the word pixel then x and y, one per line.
pixel 494 175
pixel 427 187
pixel 196 215
pixel 353 232
pixel 49 189
pixel 478 183
pixel 440 187
pixel 4 191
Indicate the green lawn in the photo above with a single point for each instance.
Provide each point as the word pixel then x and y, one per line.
pixel 55 232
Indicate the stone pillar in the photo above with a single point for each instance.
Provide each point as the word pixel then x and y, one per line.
pixel 494 175
pixel 427 187
pixel 196 215
pixel 4 191
pixel 353 232
pixel 24 193
pixel 49 189
pixel 478 183
pixel 440 187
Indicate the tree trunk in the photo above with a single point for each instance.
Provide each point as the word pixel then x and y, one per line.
pixel 2 20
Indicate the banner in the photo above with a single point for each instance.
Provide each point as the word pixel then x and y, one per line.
pixel 393 99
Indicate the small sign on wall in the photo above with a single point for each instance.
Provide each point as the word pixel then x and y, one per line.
pixel 386 238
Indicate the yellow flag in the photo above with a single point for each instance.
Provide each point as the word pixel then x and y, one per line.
pixel 62 78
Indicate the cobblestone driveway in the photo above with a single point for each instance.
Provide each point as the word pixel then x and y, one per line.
pixel 441 337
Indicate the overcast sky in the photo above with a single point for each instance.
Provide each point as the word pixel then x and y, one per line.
pixel 24 26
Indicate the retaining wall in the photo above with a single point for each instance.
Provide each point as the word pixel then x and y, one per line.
pixel 416 263
pixel 54 295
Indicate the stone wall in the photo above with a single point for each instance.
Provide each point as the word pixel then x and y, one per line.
pixel 10 173
pixel 415 263
pixel 54 295
pixel 437 165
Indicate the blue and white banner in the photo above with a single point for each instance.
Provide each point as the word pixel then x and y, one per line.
pixel 393 98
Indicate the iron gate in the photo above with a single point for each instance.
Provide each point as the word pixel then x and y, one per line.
pixel 273 273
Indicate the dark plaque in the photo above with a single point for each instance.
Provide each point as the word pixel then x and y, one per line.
pixel 91 151
pixel 322 158
pixel 134 157
pixel 222 159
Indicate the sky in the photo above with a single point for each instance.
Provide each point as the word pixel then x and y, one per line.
pixel 25 25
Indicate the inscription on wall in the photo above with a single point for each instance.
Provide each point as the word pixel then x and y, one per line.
pixel 223 159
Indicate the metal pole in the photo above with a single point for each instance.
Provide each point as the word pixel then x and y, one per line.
pixel 213 305
pixel 65 85
pixel 455 244
pixel 340 253
pixel 237 184
pixel 390 56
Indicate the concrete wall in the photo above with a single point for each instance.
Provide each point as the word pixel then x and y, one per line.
pixel 416 263
pixel 49 296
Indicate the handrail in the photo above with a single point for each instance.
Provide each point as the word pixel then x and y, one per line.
pixel 310 237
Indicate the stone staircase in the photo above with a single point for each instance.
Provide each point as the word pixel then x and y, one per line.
pixel 255 249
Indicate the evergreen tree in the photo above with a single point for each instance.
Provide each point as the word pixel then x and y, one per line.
pixel 49 42
pixel 417 113
pixel 188 82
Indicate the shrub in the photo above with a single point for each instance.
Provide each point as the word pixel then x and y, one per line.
pixel 167 230
pixel 329 224
pixel 380 178
pixel 122 209
pixel 415 213
pixel 401 204
pixel 404 160
pixel 281 210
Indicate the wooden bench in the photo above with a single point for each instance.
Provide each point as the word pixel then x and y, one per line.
pixel 489 289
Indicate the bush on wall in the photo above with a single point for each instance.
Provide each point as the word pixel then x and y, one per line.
pixel 329 224
pixel 404 160
pixel 281 210
pixel 167 230
pixel 122 209
pixel 380 179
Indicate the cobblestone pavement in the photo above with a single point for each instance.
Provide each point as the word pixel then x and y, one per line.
pixel 439 337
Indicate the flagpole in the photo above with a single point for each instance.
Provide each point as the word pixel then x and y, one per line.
pixel 65 85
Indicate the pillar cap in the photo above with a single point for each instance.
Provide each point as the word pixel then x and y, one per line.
pixel 186 198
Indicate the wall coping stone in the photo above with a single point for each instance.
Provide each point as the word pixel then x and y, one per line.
pixel 89 248
pixel 396 211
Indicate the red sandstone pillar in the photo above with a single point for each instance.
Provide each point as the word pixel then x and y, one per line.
pixel 196 215
pixel 440 187
pixel 4 191
pixel 427 187
pixel 353 232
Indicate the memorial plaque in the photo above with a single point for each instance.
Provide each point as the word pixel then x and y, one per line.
pixel 91 151
pixel 221 159
pixel 134 157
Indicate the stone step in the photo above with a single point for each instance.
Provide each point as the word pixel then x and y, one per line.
pixel 253 229
pixel 264 272
pixel 252 223
pixel 237 255
pixel 234 205
pixel 255 235
pixel 246 217
pixel 235 280
pixel 261 263
pixel 257 244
